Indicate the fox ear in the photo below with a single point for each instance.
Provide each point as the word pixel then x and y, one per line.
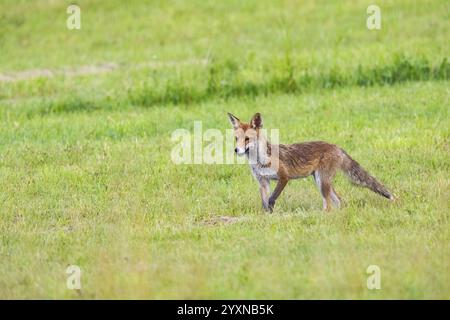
pixel 235 122
pixel 256 121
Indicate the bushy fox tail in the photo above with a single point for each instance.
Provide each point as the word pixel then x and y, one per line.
pixel 361 177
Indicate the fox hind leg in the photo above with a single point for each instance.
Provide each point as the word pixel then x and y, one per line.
pixel 325 188
pixel 335 198
pixel 323 183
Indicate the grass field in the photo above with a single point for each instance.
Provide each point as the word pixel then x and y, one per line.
pixel 86 176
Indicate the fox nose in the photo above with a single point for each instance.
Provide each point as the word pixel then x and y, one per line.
pixel 236 150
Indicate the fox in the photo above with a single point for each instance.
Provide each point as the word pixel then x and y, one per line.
pixel 285 162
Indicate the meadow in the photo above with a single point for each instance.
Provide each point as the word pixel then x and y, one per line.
pixel 87 179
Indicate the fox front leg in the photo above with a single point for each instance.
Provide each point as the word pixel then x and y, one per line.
pixel 264 189
pixel 276 193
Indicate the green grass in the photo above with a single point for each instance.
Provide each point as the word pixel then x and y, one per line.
pixel 86 176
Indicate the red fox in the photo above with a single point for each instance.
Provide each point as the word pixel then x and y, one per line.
pixel 284 162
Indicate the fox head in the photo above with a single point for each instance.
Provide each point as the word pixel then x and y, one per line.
pixel 246 134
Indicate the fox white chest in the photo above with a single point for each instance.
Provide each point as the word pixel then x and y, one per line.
pixel 261 172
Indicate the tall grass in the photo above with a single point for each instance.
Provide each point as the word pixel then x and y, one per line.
pixel 227 79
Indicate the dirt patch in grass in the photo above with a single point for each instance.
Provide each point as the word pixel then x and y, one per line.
pixel 221 220
pixel 91 69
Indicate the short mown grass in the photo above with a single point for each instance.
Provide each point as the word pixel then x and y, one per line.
pixel 87 177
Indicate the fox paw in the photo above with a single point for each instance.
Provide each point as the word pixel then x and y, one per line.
pixel 271 205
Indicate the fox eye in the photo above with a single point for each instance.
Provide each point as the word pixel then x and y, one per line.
pixel 247 139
